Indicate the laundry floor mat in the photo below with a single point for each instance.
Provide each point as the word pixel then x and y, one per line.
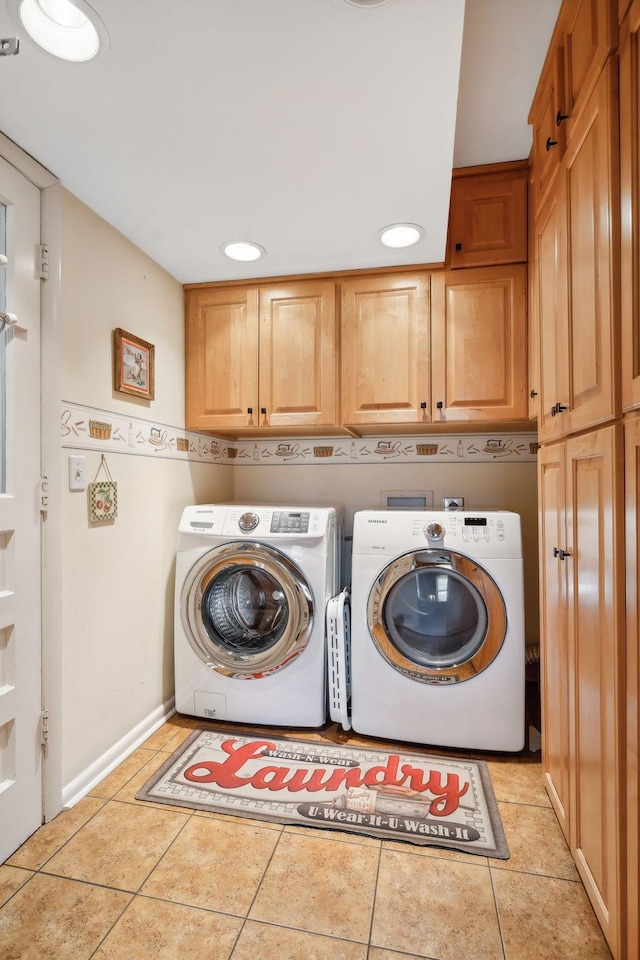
pixel 394 795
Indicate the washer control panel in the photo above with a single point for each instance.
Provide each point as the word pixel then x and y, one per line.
pixel 286 521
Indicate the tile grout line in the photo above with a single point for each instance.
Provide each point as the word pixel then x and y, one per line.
pixel 497 910
pixel 375 897
pixel 257 890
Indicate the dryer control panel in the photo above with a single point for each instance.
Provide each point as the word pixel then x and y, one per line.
pixel 483 534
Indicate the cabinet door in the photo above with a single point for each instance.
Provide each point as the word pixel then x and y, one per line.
pixel 550 282
pixel 488 219
pixel 533 316
pixel 557 675
pixel 593 265
pixel 298 354
pixel 630 207
pixel 632 515
pixel 549 136
pixel 595 598
pixel 479 344
pixel 589 35
pixel 221 358
pixel 385 350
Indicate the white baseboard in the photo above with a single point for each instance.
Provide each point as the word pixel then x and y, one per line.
pixel 98 770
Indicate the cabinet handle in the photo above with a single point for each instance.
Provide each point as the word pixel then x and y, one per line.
pixel 560 116
pixel 439 404
pixel 533 393
pixel 550 143
pixel 423 405
pixel 250 410
pixel 458 246
pixel 263 411
pixel 558 408
pixel 561 554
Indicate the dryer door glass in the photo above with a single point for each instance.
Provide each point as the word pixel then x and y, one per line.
pixel 247 610
pixel 437 616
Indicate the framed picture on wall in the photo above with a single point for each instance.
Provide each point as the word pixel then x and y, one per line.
pixel 133 365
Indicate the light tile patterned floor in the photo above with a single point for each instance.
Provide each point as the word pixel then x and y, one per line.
pixel 116 878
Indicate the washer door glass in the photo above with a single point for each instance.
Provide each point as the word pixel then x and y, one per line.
pixel 244 609
pixel 247 610
pixel 437 616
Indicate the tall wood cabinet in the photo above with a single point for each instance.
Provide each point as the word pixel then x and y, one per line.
pixel 630 206
pixel 261 358
pixel 577 279
pixel 584 36
pixel 582 619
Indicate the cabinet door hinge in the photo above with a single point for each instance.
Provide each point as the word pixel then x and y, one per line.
pixel 44 727
pixel 44 494
pixel 44 261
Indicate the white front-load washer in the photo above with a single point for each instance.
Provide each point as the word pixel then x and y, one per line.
pixel 437 628
pixel 252 585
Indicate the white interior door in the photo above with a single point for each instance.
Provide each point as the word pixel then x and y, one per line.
pixel 20 518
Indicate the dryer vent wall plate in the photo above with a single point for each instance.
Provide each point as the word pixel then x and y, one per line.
pixel 453 503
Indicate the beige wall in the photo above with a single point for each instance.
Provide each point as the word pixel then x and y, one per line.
pixel 503 486
pixel 117 604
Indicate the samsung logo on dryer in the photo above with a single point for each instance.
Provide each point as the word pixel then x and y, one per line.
pixel 369 520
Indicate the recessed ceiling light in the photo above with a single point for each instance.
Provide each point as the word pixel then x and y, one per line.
pixel 401 234
pixel 69 30
pixel 243 250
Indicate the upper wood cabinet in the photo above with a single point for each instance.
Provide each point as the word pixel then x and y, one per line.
pixel 488 215
pixel 629 57
pixel 261 358
pixel 585 34
pixel 385 350
pixel 577 274
pixel 479 344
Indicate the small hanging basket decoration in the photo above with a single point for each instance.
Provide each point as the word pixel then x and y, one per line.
pixel 103 495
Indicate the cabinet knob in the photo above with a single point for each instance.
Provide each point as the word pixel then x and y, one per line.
pixel 560 116
pixel 263 410
pixel 533 393
pixel 558 408
pixel 423 405
pixel 458 246
pixel 561 554
pixel 439 404
pixel 249 410
pixel 550 143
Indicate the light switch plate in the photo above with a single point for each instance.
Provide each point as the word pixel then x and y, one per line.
pixel 76 474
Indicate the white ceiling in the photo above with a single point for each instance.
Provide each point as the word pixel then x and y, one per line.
pixel 303 125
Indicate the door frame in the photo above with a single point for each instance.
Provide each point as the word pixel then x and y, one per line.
pixel 51 526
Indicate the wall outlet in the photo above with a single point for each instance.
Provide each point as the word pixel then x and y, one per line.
pixel 453 503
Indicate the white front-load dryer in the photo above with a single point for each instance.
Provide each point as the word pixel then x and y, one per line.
pixel 437 631
pixel 252 585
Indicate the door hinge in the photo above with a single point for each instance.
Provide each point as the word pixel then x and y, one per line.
pixel 44 261
pixel 44 494
pixel 44 727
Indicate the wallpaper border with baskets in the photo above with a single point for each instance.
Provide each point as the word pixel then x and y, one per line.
pixel 88 428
